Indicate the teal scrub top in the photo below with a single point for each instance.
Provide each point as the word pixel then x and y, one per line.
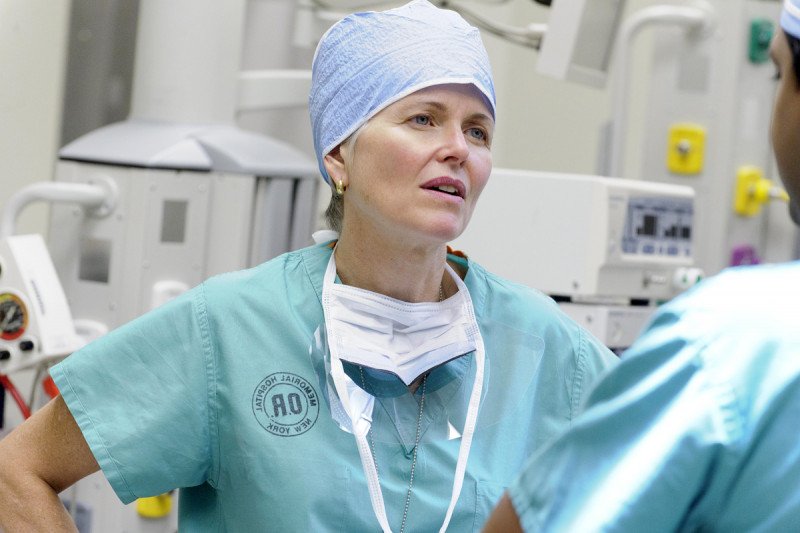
pixel 218 393
pixel 696 429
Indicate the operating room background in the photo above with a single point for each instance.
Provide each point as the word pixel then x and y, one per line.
pixel 68 69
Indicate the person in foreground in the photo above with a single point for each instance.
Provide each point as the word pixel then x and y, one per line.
pixel 371 382
pixel 697 428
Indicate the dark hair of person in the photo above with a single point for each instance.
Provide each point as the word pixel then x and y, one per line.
pixel 794 47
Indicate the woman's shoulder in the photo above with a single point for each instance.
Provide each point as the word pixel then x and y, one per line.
pixel 569 349
pixel 519 306
pixel 495 290
pixel 288 271
pixel 290 277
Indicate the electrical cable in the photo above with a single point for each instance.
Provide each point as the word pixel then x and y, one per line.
pixel 528 36
pixel 344 8
pixel 9 386
pixel 50 388
pixel 350 7
pixel 32 397
pixel 2 406
pixel 485 2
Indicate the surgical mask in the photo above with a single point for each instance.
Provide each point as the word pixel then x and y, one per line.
pixel 406 339
pixel 382 333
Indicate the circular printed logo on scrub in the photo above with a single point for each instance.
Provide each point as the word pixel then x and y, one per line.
pixel 286 404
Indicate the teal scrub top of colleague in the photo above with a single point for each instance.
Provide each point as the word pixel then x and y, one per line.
pixel 696 429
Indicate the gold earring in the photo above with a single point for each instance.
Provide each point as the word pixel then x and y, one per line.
pixel 339 187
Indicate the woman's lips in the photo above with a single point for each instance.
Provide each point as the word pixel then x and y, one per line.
pixel 446 185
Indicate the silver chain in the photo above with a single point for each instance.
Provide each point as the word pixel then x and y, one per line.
pixel 414 458
pixel 416 447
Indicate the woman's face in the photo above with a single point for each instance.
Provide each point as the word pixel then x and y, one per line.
pixel 417 169
pixel 786 116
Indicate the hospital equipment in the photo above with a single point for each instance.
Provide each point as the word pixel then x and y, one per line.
pixel 36 326
pixel 579 40
pixel 706 113
pixel 707 110
pixel 697 22
pixel 725 87
pixel 607 249
pixel 35 320
pixel 196 195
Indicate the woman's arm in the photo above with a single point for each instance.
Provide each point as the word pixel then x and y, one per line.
pixel 39 459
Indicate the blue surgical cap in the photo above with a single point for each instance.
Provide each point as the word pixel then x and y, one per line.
pixel 367 61
pixel 790 18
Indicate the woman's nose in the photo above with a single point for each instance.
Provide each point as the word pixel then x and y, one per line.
pixel 454 145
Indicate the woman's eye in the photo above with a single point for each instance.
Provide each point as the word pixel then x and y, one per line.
pixel 777 75
pixel 477 133
pixel 422 120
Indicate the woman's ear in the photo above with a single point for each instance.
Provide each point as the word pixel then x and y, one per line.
pixel 334 165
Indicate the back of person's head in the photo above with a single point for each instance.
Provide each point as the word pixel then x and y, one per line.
pixel 785 127
pixel 790 22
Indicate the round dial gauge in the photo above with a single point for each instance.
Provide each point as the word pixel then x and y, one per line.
pixel 13 316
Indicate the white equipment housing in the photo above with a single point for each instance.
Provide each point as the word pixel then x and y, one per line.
pixel 583 237
pixel 35 321
pixel 616 326
pixel 596 244
pixel 171 230
pixel 580 40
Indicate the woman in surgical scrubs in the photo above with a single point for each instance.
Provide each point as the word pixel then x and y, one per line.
pixel 375 381
pixel 697 429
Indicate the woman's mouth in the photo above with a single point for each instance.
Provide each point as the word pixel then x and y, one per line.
pixel 446 185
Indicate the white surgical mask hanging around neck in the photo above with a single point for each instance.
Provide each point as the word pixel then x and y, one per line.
pixel 376 331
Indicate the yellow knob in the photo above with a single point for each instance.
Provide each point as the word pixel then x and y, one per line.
pixel 753 190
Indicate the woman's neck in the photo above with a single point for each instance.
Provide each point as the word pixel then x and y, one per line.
pixel 411 273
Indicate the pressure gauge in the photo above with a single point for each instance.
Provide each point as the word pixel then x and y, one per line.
pixel 13 316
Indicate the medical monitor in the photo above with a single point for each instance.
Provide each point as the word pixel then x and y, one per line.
pixel 580 39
